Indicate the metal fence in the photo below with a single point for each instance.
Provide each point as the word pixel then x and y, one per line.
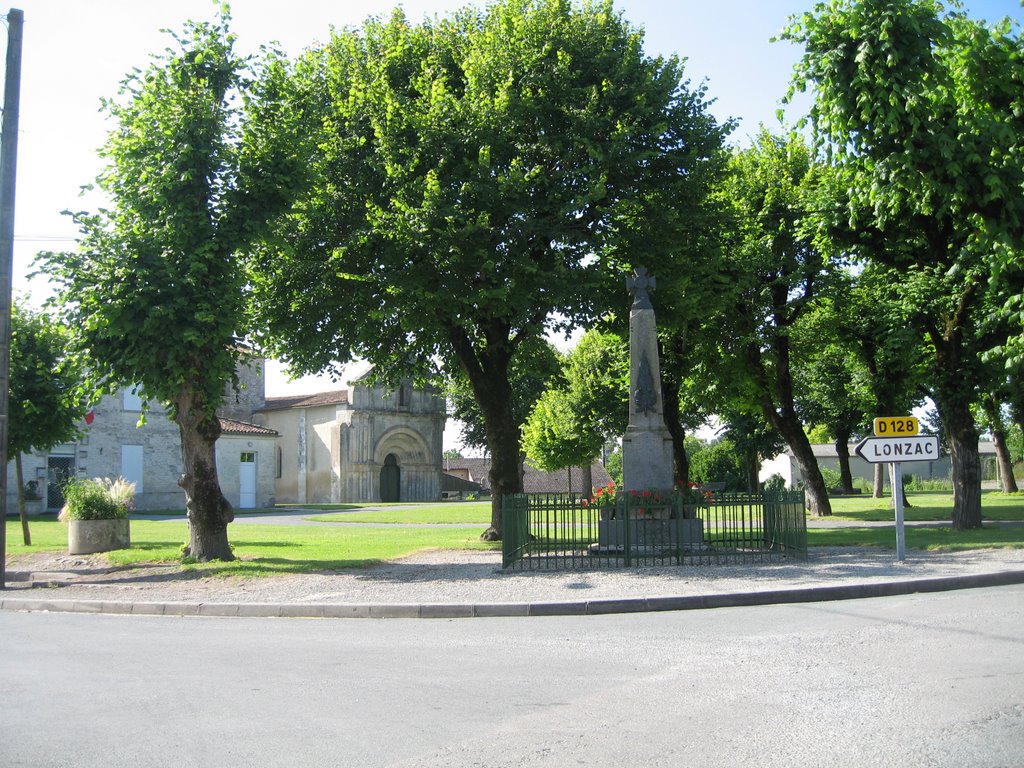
pixel 569 531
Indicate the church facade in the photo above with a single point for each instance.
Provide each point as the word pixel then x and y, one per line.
pixel 364 443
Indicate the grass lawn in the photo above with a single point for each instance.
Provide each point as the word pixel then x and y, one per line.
pixel 917 538
pixel 926 505
pixel 268 549
pixel 263 549
pixel 464 512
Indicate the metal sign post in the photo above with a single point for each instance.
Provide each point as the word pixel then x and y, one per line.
pixel 894 451
pixel 897 499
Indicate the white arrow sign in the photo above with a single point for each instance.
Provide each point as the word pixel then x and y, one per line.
pixel 881 450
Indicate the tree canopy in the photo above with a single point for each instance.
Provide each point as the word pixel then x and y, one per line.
pixel 472 179
pixel 45 404
pixel 154 292
pixel 923 112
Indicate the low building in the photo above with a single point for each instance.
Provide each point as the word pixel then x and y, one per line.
pixel 116 441
pixel 827 456
pixel 477 471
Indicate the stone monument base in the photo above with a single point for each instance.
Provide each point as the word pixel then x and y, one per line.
pixel 649 536
pixel 647 459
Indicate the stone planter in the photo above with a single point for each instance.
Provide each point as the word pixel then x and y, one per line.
pixel 88 536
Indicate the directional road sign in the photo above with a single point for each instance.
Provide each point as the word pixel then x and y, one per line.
pixel 895 426
pixel 883 450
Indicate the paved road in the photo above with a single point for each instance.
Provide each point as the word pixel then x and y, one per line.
pixel 928 680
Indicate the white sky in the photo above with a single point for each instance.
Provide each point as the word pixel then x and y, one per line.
pixel 77 51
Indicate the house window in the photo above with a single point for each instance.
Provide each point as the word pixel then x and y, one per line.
pixel 278 463
pixel 403 396
pixel 131 465
pixel 132 401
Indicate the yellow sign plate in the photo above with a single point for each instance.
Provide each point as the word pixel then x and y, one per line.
pixel 896 426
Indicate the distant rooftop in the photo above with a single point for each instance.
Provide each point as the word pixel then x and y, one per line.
pixel 232 427
pixel 334 397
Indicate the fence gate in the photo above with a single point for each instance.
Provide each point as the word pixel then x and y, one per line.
pixel 59 469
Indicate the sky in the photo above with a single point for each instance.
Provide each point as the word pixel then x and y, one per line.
pixel 76 52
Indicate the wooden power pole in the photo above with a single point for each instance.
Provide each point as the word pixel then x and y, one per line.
pixel 8 175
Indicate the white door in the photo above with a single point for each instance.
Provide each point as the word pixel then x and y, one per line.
pixel 131 466
pixel 247 481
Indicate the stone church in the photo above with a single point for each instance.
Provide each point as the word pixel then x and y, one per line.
pixel 362 443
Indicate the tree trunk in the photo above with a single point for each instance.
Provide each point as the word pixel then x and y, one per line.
pixel 670 406
pixel 587 479
pixel 963 450
pixel 843 452
pixel 503 444
pixel 786 423
pixel 488 374
pixel 208 511
pixel 19 475
pixel 793 433
pixel 878 486
pixel 1007 482
pixel 892 483
pixel 753 468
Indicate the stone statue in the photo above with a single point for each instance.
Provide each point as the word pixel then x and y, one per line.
pixel 641 285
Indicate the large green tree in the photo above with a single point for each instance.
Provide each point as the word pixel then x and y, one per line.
pixel 583 408
pixel 779 272
pixel 44 402
pixel 832 383
pixel 154 292
pixel 924 112
pixel 472 177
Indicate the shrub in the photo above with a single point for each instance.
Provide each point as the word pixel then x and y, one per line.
pixel 90 500
pixel 915 483
pixel 775 483
pixel 718 462
pixel 831 477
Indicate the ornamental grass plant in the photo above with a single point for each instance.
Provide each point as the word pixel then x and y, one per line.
pixel 97 499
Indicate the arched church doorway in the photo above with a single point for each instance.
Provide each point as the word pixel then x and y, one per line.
pixel 390 479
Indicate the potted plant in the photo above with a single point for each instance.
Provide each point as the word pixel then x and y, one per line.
pixel 96 512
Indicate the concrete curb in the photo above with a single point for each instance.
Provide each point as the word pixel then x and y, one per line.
pixel 495 610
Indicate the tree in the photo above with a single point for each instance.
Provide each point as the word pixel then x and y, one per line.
pixel 554 438
pixel 720 462
pixel 778 273
pixel 154 292
pixel 995 422
pixel 925 113
pixel 583 408
pixel 889 348
pixel 473 176
pixel 44 403
pixel 753 439
pixel 536 365
pixel 832 383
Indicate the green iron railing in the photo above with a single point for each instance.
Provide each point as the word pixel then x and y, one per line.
pixel 569 531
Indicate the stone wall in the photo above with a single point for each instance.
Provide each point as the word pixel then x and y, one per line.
pixel 100 453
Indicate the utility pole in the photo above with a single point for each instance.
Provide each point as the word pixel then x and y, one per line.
pixel 8 176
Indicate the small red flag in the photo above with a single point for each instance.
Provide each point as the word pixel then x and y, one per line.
pixel 90 417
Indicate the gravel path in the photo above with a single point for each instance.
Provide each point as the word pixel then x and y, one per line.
pixel 476 577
